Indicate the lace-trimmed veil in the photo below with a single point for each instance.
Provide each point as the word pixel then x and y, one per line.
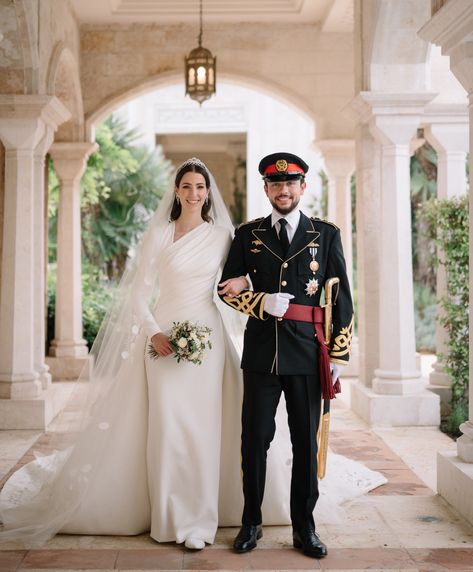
pixel 55 484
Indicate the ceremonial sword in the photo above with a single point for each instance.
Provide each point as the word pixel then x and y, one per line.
pixel 324 423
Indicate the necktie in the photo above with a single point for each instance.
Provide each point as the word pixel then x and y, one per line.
pixel 283 238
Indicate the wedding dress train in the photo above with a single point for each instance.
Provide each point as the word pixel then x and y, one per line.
pixel 162 451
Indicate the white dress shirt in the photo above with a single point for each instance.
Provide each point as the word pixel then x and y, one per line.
pixel 292 222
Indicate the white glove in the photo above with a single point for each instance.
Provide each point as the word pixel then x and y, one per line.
pixel 337 370
pixel 276 304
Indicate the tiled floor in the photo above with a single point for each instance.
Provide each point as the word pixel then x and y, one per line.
pixel 402 526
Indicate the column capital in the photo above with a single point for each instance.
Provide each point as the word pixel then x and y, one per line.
pixel 44 144
pixel 448 138
pixel 70 159
pixel 25 117
pixel 393 118
pixel 368 104
pixel 339 156
pixel 446 127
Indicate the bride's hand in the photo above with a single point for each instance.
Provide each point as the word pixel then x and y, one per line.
pixel 233 286
pixel 161 344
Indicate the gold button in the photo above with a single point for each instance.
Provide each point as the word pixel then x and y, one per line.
pixel 283 283
pixel 285 265
pixel 279 319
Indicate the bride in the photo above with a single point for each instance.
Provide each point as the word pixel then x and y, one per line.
pixel 158 447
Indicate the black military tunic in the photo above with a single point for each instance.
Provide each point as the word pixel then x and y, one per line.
pixel 282 355
pixel 283 346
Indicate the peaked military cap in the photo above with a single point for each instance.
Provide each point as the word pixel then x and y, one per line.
pixel 282 167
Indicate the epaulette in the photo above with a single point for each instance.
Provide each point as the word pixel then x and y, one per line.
pixel 324 221
pixel 251 221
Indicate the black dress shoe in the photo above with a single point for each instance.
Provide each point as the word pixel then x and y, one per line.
pixel 247 538
pixel 309 541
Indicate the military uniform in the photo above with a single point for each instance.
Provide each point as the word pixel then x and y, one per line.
pixel 282 355
pixel 281 346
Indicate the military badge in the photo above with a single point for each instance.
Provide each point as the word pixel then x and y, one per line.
pixel 312 287
pixel 255 250
pixel 313 265
pixel 281 166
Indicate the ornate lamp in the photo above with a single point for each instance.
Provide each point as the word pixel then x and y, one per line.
pixel 200 71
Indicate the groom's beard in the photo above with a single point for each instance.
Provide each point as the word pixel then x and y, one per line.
pixel 285 210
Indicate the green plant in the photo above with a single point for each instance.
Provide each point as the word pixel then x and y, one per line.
pixel 238 208
pixel 425 314
pixel 458 416
pixel 120 189
pixel 97 292
pixel 448 227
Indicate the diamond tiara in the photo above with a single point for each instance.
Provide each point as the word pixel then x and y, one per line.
pixel 192 161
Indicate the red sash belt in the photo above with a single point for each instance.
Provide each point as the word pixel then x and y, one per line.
pixel 315 315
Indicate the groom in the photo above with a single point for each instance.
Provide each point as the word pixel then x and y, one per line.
pixel 288 258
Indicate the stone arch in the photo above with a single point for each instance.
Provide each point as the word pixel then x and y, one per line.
pixel 151 83
pixel 396 57
pixel 19 60
pixel 63 81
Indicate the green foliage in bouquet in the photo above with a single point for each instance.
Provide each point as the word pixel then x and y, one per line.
pixel 188 340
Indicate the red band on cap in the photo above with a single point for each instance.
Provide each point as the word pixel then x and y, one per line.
pixel 291 168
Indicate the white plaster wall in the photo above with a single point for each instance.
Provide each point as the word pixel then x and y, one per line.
pixel 270 126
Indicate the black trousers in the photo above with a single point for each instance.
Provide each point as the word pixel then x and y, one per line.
pixel 261 397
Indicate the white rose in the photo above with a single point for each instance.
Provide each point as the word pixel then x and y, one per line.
pixel 193 356
pixel 182 343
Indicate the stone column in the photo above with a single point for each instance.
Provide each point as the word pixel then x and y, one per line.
pixel 398 396
pixel 368 181
pixel 40 259
pixel 446 130
pixel 70 160
pixel 339 156
pixel 24 121
pixel 450 28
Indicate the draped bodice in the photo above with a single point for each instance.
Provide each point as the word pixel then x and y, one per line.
pixel 188 270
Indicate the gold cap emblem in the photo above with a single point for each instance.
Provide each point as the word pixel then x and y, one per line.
pixel 281 165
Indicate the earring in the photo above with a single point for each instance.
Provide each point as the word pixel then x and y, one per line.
pixel 178 200
pixel 207 200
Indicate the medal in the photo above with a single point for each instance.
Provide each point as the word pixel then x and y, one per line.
pixel 313 265
pixel 312 287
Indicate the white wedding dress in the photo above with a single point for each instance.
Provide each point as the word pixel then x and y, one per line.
pixel 162 452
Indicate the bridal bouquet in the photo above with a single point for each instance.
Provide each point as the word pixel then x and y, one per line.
pixel 188 340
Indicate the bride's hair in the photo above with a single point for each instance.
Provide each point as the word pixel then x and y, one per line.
pixel 193 165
